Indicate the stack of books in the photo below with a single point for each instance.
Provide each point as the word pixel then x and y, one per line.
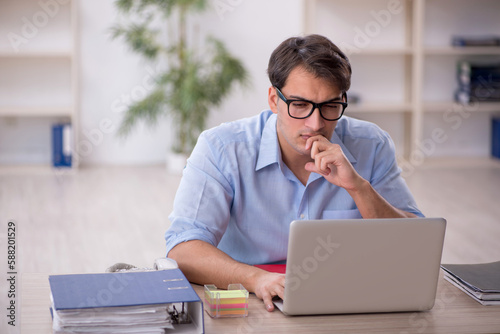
pixel 477 82
pixel 475 41
pixel 480 281
pixel 129 302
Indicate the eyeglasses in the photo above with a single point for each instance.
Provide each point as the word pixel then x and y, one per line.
pixel 300 109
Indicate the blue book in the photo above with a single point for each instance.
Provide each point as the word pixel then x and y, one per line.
pixel 481 40
pixel 95 293
pixel 57 145
pixel 495 134
pixel 62 145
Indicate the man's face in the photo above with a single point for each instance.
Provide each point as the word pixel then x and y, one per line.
pixel 293 133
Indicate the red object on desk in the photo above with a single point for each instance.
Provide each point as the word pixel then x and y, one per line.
pixel 274 268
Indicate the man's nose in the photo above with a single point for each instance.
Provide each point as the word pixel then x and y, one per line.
pixel 315 121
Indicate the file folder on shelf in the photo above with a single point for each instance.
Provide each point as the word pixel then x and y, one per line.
pixel 62 146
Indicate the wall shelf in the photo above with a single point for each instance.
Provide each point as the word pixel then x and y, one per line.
pixel 36 54
pixel 38 78
pixel 462 51
pixel 404 66
pixel 485 107
pixel 382 52
pixel 54 111
pixel 374 107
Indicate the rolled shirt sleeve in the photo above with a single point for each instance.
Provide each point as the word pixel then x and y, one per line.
pixel 203 201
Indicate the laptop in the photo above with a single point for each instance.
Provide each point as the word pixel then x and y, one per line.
pixel 362 265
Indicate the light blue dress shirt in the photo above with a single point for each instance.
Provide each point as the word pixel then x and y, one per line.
pixel 237 194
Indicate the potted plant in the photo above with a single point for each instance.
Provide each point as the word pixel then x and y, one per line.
pixel 195 79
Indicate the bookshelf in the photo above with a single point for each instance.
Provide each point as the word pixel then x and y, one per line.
pixel 38 77
pixel 404 67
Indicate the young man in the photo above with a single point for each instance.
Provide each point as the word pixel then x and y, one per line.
pixel 247 180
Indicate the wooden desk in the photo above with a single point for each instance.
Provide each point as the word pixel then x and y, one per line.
pixel 454 312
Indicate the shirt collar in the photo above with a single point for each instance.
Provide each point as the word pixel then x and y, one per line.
pixel 270 153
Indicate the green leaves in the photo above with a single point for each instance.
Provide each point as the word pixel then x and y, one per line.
pixel 164 6
pixel 139 38
pixel 124 5
pixel 192 84
pixel 148 109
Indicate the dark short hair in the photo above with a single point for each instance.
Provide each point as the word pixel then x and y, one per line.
pixel 317 54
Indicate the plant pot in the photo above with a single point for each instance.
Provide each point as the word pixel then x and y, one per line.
pixel 176 162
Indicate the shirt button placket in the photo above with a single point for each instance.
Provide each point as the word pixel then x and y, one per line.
pixel 303 209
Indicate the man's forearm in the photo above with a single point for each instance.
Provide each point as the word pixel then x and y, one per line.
pixel 371 205
pixel 203 263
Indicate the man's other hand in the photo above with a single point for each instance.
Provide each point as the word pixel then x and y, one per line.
pixel 269 285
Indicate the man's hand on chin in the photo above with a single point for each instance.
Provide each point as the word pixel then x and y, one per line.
pixel 331 162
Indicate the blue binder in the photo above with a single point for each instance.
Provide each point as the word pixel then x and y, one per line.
pixel 83 291
pixel 62 145
pixel 495 138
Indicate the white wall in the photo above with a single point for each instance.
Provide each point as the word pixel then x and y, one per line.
pixel 110 73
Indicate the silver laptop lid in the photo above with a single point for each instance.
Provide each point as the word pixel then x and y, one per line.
pixel 363 265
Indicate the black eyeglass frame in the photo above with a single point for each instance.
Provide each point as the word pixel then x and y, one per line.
pixel 314 105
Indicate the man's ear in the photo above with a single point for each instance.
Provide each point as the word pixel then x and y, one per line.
pixel 272 99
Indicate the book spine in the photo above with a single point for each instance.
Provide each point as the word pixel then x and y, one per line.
pixel 462 41
pixel 67 145
pixel 61 145
pixel 57 145
pixel 495 138
pixel 477 83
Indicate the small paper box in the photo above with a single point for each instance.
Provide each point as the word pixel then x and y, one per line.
pixel 232 302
